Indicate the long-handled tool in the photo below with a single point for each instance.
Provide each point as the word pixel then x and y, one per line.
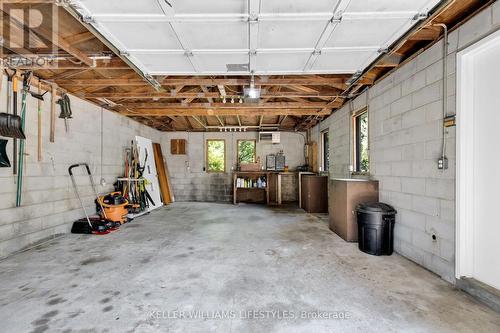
pixel 26 86
pixel 14 97
pixel 10 124
pixel 88 225
pixel 39 136
pixel 4 157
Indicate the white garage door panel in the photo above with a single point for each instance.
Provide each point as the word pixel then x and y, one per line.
pixel 159 63
pixel 289 34
pixel 340 61
pixel 282 62
pixel 224 28
pixel 214 35
pixel 145 35
pixel 297 6
pixel 209 6
pixel 389 5
pixel 123 7
pixel 364 32
pixel 217 63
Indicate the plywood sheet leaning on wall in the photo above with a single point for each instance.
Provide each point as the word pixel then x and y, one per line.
pixel 163 177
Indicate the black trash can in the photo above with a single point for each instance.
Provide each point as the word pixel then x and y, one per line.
pixel 375 228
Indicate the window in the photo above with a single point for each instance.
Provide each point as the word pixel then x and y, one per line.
pixel 216 156
pixel 326 150
pixel 361 158
pixel 246 151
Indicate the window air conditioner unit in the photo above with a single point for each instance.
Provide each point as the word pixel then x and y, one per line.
pixel 273 137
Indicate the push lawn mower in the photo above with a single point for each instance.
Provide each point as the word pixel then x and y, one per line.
pixel 90 225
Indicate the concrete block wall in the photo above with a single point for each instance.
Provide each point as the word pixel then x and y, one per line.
pixel 405 117
pixel 49 205
pixel 189 180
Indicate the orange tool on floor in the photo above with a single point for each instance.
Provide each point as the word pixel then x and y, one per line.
pixel 115 207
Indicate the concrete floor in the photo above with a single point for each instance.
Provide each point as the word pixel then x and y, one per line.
pixel 220 258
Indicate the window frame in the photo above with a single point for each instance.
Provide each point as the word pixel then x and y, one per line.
pixel 238 150
pixel 324 162
pixel 206 156
pixel 356 152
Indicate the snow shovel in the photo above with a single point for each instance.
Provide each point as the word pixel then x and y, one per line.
pixel 10 124
pixel 4 158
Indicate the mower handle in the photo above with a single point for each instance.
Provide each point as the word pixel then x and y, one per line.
pixel 70 169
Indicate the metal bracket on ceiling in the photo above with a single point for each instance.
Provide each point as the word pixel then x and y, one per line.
pixel 316 52
pixel 420 16
pixel 152 81
pixel 354 78
pixel 337 17
pixel 253 18
pixel 87 19
pixel 383 50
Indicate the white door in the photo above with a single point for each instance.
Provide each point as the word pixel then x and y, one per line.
pixel 479 130
pixel 146 153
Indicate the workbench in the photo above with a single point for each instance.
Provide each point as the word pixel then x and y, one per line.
pixel 280 187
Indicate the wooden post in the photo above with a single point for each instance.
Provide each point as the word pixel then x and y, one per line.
pixel 53 113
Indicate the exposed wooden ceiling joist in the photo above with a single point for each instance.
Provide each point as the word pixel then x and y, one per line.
pixel 162 112
pixel 207 95
pixel 230 106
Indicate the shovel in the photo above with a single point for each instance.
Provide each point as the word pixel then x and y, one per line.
pixel 10 124
pixel 4 158
pixel 11 127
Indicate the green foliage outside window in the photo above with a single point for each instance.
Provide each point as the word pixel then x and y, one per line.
pixel 364 162
pixel 246 151
pixel 216 155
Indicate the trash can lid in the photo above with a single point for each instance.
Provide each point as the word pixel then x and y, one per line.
pixel 376 207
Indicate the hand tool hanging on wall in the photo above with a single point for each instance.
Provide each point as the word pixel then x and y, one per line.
pixel 39 98
pixel 10 124
pixel 53 113
pixel 4 157
pixel 19 125
pixel 66 113
pixel 26 86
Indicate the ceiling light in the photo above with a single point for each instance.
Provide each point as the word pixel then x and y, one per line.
pixel 252 94
pixel 232 100
pixel 241 100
